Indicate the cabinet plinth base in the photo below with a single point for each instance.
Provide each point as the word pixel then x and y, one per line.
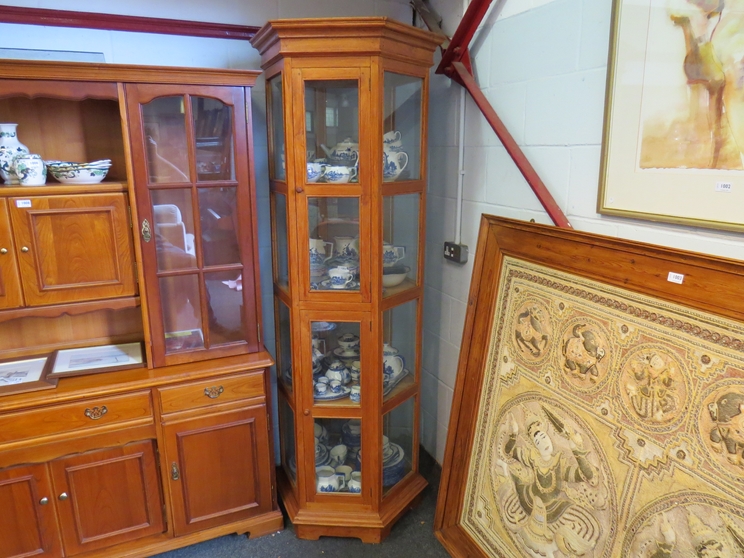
pixel 369 527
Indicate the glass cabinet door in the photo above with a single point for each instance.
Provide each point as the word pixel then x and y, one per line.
pixel 334 244
pixel 338 456
pixel 280 240
pixel 336 361
pixel 332 131
pixel 277 154
pixel 401 226
pixel 190 194
pixel 283 344
pixel 401 139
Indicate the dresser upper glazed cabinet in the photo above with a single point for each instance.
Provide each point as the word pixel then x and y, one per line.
pixel 192 150
pixel 348 201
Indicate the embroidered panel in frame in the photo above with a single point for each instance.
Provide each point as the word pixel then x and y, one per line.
pixel 611 424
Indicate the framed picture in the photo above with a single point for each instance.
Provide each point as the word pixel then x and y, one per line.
pixel 598 401
pixel 30 374
pixel 89 360
pixel 673 146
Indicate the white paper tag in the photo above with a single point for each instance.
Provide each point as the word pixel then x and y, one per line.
pixel 23 203
pixel 675 277
pixel 724 187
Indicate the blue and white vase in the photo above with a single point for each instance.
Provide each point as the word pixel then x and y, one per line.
pixel 10 148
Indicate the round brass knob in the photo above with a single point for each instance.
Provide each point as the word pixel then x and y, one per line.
pixel 307 412
pixel 299 189
pixel 24 249
pixel 44 501
pixel 63 496
pixel 3 250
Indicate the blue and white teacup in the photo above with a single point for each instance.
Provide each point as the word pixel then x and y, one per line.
pixel 337 174
pixel 340 277
pixel 314 172
pixel 355 484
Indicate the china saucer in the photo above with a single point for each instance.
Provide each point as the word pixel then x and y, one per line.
pixel 323 326
pixel 340 353
pixel 330 396
pixel 326 285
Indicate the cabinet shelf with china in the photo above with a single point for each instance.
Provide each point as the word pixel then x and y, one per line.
pixel 162 254
pixel 347 199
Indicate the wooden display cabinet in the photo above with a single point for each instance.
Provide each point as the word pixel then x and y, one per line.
pixel 348 201
pixel 164 252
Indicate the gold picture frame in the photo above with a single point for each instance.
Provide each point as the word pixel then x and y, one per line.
pixel 598 394
pixel 673 143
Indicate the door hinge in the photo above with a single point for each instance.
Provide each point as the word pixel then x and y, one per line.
pixel 131 223
pixel 136 271
pixel 258 328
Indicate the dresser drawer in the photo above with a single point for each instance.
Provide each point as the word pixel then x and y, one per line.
pixel 71 417
pixel 210 392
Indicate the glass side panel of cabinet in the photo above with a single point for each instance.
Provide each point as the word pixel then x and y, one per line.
pixel 397 444
pixel 336 362
pixel 276 114
pixel 284 344
pixel 219 225
pixel 401 140
pixel 334 243
pixel 287 439
pixel 225 318
pixel 399 348
pixel 281 244
pixel 173 216
pixel 332 131
pixel 182 320
pixel 400 242
pixel 213 135
pixel 165 137
pixel 338 456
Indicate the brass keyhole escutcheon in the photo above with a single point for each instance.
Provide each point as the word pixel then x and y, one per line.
pixel 146 231
pixel 175 475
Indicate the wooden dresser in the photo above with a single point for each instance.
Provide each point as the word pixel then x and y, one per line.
pixel 163 252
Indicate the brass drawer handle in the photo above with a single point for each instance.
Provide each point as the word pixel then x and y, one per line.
pixel 213 392
pixel 95 413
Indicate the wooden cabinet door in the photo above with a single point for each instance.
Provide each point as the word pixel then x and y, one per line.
pixel 107 497
pixel 220 468
pixel 10 283
pixel 73 248
pixel 27 514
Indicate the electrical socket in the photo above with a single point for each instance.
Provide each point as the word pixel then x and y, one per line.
pixel 457 253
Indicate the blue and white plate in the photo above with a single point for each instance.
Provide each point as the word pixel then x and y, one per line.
pixel 323 326
pixel 326 286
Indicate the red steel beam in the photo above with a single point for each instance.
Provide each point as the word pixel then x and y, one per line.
pixel 512 147
pixel 458 47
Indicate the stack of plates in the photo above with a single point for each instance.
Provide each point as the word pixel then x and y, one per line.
pixel 393 468
pixel 79 173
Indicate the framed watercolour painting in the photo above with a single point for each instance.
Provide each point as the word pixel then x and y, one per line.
pixel 673 146
pixel 599 401
pixel 25 375
pixel 89 360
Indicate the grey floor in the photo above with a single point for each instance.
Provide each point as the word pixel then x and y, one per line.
pixel 411 537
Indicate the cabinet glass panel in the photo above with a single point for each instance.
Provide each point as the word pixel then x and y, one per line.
pixel 166 145
pixel 214 139
pixel 173 216
pixel 287 439
pixel 400 243
pixel 338 456
pixel 224 307
pixel 284 344
pixel 281 251
pixel 334 243
pixel 397 444
pixel 399 348
pixel 401 140
pixel 182 320
pixel 278 163
pixel 332 130
pixel 336 363
pixel 219 225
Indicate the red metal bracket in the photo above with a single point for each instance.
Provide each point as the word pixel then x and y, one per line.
pixel 456 65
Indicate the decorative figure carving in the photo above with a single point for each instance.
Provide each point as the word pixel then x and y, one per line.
pixel 532 331
pixel 722 427
pixel 653 387
pixel 582 352
pixel 555 490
